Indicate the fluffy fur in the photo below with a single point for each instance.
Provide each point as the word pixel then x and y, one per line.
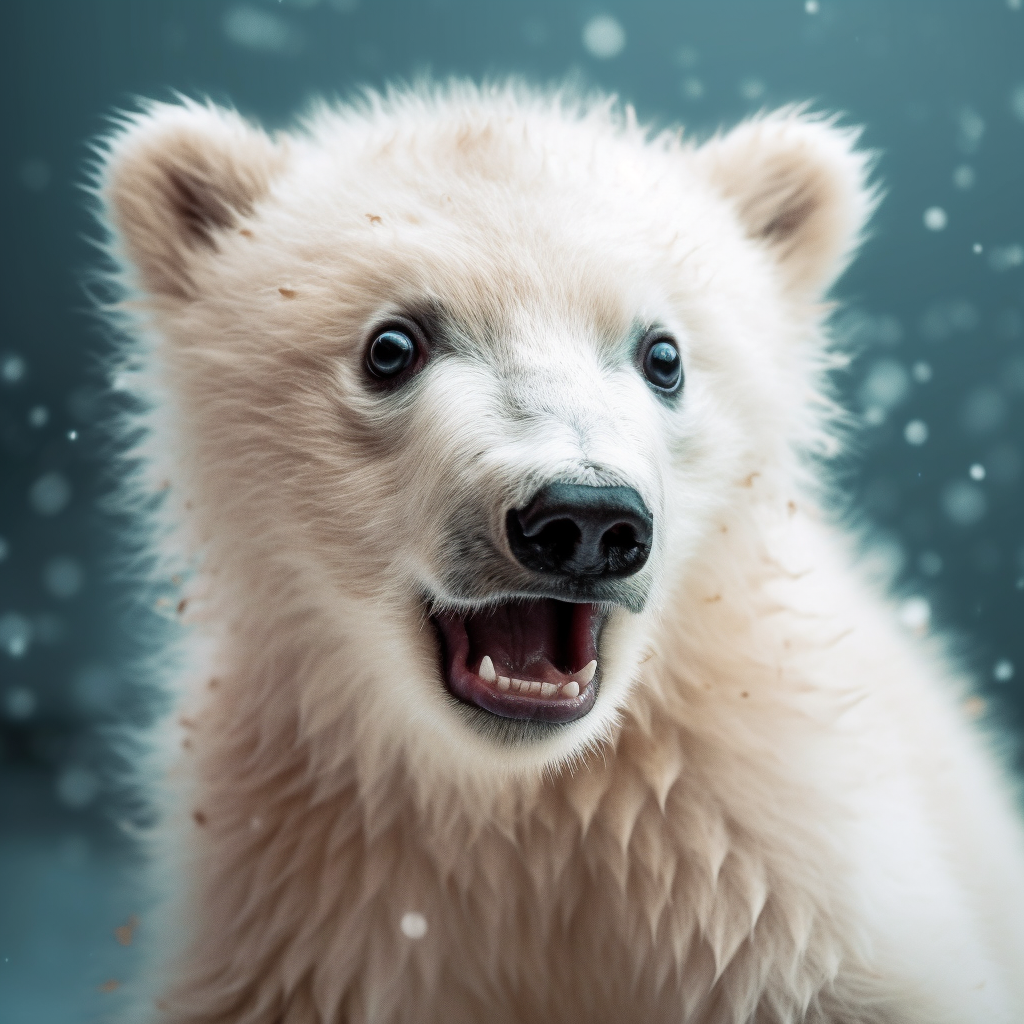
pixel 776 811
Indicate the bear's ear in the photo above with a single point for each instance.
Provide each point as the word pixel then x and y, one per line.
pixel 799 187
pixel 172 178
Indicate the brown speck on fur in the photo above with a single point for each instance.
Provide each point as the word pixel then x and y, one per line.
pixel 975 707
pixel 748 480
pixel 199 817
pixel 182 605
pixel 745 694
pixel 111 985
pixel 374 219
pixel 288 293
pixel 245 232
pixel 714 599
pixel 125 932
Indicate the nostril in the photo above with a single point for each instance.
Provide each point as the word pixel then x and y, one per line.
pixel 620 537
pixel 557 539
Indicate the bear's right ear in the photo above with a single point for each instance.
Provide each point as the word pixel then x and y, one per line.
pixel 172 178
pixel 799 187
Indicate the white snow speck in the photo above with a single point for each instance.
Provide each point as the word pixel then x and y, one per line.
pixel 964 502
pixel 812 6
pixel 413 925
pixel 12 368
pixel 977 471
pixel 915 614
pixel 604 37
pixel 921 372
pixel 964 177
pixel 916 432
pixel 886 385
pixel 935 218
pixel 692 88
pixel 260 31
pixel 751 89
pixel 15 634
pixel 970 127
pixel 1006 257
pixel 50 494
pixel 1003 670
pixel 1017 101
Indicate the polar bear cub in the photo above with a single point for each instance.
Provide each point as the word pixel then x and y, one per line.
pixel 528 679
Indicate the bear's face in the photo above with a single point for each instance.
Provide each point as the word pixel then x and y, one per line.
pixel 473 379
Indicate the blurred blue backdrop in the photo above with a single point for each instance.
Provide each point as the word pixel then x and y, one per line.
pixel 935 307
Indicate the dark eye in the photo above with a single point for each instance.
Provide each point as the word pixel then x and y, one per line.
pixel 662 365
pixel 390 353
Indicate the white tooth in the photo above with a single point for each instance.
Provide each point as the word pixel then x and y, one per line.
pixel 571 689
pixel 534 687
pixel 548 689
pixel 521 684
pixel 486 670
pixel 586 673
pixel 503 682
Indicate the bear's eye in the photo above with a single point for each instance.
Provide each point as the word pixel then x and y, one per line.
pixel 661 363
pixel 390 353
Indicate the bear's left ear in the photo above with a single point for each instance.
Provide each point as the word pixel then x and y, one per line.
pixel 800 188
pixel 173 179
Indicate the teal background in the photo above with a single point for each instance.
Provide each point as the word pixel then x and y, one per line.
pixel 937 317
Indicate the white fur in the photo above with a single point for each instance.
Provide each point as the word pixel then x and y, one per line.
pixel 776 811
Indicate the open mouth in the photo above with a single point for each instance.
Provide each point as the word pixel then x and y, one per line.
pixel 532 660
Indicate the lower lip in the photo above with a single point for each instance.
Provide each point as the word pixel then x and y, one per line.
pixel 471 689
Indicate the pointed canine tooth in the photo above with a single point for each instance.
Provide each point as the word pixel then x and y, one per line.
pixel 503 682
pixel 548 689
pixel 534 688
pixel 586 673
pixel 571 689
pixel 486 670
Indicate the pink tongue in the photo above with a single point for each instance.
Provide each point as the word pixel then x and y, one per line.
pixel 525 639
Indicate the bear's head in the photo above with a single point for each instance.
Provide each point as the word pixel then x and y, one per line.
pixel 453 388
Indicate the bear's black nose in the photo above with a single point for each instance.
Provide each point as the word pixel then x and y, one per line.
pixel 579 531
